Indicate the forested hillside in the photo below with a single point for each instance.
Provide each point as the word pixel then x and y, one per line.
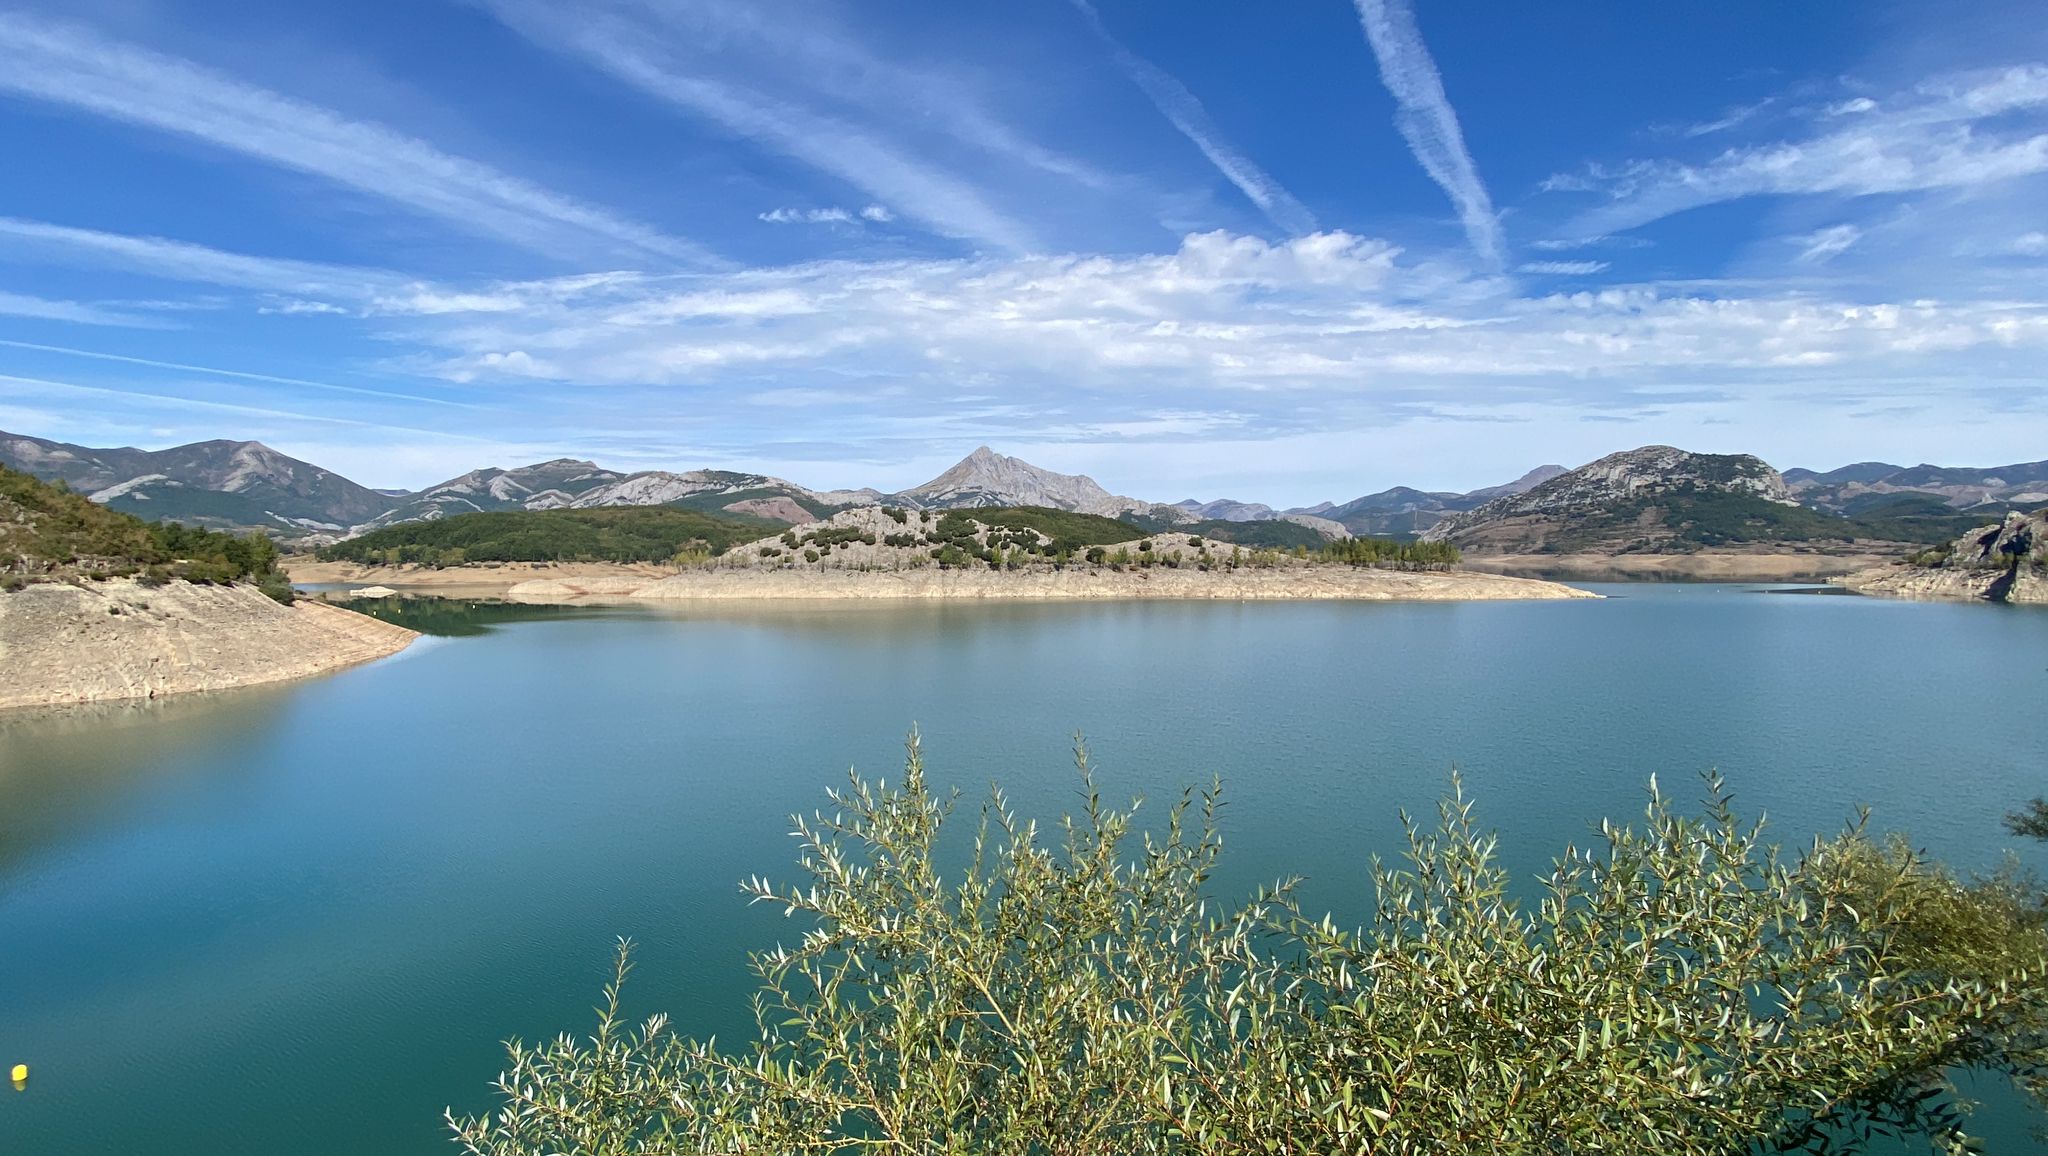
pixel 48 533
pixel 610 534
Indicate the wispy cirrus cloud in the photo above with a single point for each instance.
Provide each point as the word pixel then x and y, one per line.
pixel 182 260
pixel 637 48
pixel 239 375
pixel 1822 244
pixel 1185 113
pixel 1428 122
pixel 1958 131
pixel 76 312
pixel 79 69
pixel 1563 268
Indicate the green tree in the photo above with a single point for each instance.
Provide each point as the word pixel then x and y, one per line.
pixel 1680 987
pixel 2030 821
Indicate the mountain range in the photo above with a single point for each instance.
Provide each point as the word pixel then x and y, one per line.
pixel 247 485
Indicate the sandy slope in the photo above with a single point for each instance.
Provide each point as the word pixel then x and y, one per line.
pixel 487 579
pixel 1294 582
pixel 118 639
pixel 1704 566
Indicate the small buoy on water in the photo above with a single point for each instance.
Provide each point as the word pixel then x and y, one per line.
pixel 20 1074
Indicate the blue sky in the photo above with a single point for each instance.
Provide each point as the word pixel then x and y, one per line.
pixel 1281 252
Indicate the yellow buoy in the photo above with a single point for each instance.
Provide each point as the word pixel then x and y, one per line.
pixel 20 1073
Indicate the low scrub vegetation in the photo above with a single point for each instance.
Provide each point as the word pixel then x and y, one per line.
pixel 612 534
pixel 1679 986
pixel 49 533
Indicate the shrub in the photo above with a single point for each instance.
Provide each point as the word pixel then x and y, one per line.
pixel 1677 988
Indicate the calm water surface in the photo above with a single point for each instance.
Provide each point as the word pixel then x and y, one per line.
pixel 299 920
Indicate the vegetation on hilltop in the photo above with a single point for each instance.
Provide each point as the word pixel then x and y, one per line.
pixel 608 534
pixel 1688 518
pixel 1388 552
pixel 49 533
pixel 1270 534
pixel 1678 987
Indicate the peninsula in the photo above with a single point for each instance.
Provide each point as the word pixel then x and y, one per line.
pixel 880 552
pixel 2006 561
pixel 96 606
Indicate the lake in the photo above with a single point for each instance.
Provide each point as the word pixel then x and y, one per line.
pixel 299 919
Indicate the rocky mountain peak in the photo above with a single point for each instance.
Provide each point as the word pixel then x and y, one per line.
pixel 987 478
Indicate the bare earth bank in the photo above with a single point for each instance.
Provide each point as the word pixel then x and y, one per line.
pixel 1299 582
pixel 483 580
pixel 118 639
pixel 1705 566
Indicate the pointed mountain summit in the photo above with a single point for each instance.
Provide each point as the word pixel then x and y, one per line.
pixel 987 478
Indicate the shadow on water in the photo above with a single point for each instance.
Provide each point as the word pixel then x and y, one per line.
pixel 67 769
pixel 463 617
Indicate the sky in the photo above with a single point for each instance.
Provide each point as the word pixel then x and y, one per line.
pixel 1272 252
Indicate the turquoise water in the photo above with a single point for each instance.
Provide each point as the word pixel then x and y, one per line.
pixel 300 919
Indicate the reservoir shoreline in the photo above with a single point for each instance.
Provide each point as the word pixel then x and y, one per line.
pixel 107 641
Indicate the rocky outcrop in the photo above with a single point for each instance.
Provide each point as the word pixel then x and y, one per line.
pixel 2003 562
pixel 779 509
pixel 119 639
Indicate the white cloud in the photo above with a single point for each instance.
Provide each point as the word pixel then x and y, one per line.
pixel 299 307
pixel 1426 119
pixel 1730 119
pixel 1852 106
pixel 832 216
pixel 1563 268
pixel 879 214
pixel 1818 246
pixel 1943 134
pixel 73 67
pixel 1185 112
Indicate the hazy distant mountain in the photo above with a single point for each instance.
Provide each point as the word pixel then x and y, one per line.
pixel 987 478
pixel 574 484
pixel 1851 489
pixel 1225 510
pixel 223 484
pixel 1403 512
pixel 1521 485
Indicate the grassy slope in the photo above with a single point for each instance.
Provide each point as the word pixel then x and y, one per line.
pixel 608 534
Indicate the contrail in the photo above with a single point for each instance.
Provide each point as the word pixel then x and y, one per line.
pixel 1179 106
pixel 1426 119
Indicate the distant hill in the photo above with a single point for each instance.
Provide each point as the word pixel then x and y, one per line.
pixel 1403 513
pixel 626 534
pixel 49 533
pixel 220 484
pixel 541 486
pixel 1659 499
pixel 2022 485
